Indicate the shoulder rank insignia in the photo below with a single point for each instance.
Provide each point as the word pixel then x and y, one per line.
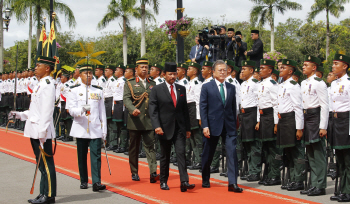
pixel 196 82
pixel 230 80
pixel 293 82
pixel 273 81
pixel 75 86
pixel 124 79
pixel 176 80
pixel 47 81
pixel 212 80
pixel 255 80
pixel 97 87
pixel 112 79
pixel 318 79
pixel 185 81
pixel 349 79
pixel 103 80
pixel 67 85
pixel 160 80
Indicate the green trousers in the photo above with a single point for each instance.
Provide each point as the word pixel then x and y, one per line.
pixel 122 134
pixel 296 156
pixel 270 150
pixel 68 126
pixel 316 153
pixel 48 183
pixel 95 159
pixel 196 143
pixel 112 136
pixel 134 147
pixel 253 150
pixel 216 159
pixel 343 158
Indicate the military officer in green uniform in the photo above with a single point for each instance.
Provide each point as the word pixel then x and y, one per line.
pixel 136 98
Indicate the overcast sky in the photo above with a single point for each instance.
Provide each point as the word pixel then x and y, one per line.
pixel 89 12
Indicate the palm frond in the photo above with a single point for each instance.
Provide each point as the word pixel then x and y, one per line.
pixel 95 61
pixel 78 54
pixel 98 53
pixel 81 46
pixel 82 61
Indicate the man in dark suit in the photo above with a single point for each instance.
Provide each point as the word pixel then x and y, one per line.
pixel 257 51
pixel 170 119
pixel 218 114
pixel 198 53
pixel 241 48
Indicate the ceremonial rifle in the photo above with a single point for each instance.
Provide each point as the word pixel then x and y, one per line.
pixel 15 93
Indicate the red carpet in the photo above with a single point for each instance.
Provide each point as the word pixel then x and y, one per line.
pixel 13 143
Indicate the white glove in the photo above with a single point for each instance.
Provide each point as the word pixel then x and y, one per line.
pixel 104 135
pixel 42 141
pixel 14 113
pixel 86 108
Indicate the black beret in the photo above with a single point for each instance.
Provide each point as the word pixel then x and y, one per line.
pixel 231 29
pixel 255 31
pixel 170 67
pixel 238 33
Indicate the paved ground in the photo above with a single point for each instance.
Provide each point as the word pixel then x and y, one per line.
pixel 16 176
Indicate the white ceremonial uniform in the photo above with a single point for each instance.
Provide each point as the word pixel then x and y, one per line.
pixel 234 82
pixel 314 94
pixel 39 120
pixel 101 82
pixel 207 80
pixel 108 90
pixel 249 94
pixel 32 82
pixel 96 121
pixel 158 80
pixel 340 94
pixel 183 82
pixel 330 102
pixel 267 96
pixel 289 99
pixel 193 93
pixel 118 90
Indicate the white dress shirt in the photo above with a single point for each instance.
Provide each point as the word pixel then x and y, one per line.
pixel 159 80
pixel 182 82
pixel 174 88
pixel 330 102
pixel 193 93
pixel 267 96
pixel 340 94
pixel 207 80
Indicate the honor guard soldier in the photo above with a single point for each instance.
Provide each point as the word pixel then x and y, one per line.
pixel 136 98
pixel 267 103
pixel 112 140
pixel 296 75
pixel 320 71
pixel 290 125
pixel 155 72
pixel 275 75
pixel 193 91
pixel 232 71
pixel 6 100
pixel 66 118
pixel 40 128
pixel 101 81
pixel 339 138
pixel 315 104
pixel 249 118
pixel 19 98
pixel 2 94
pixel 118 109
pixel 181 74
pixel 207 71
pixel 86 106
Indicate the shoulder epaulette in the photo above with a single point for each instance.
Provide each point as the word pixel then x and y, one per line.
pixel 273 81
pixel 124 79
pixel 293 82
pixel 67 85
pixel 131 79
pixel 103 80
pixel 34 78
pixel 196 82
pixel 349 79
pixel 75 86
pixel 185 81
pixel 255 80
pixel 112 79
pixel 318 79
pixel 47 81
pixel 176 80
pixel 160 80
pixel 212 80
pixel 230 80
pixel 97 87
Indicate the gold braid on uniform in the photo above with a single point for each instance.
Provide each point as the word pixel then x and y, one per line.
pixel 139 98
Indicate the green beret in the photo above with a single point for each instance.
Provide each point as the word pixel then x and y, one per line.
pixel 130 66
pixel 182 65
pixel 266 62
pixel 342 58
pixel 320 69
pixel 100 67
pixel 121 66
pixel 158 66
pixel 257 69
pixel 276 72
pixel 85 67
pixel 297 73
pixel 142 61
pixel 246 63
pixel 65 73
pixel 195 65
pixel 237 69
pixel 230 63
pixel 309 58
pixel 208 64
pixel 46 60
pixel 289 62
pixel 112 67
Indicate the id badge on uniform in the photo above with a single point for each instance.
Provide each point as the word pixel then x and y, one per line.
pixel 335 115
pixel 279 116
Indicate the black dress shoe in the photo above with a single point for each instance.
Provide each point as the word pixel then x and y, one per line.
pixel 305 192
pixel 263 181
pixel 111 148
pixel 36 198
pixel 187 163
pixel 173 159
pixel 284 187
pixel 120 150
pixel 224 174
pixel 214 170
pixel 154 177
pixel 206 184
pixel 234 188
pixel 126 153
pixel 60 138
pixel 273 182
pixel 344 198
pixel 98 187
pixel 195 166
pixel 317 192
pixel 84 185
pixel 244 177
pixel 185 185
pixel 44 200
pixel 296 186
pixel 176 164
pixel 142 155
pixel 335 197
pixel 135 177
pixel 164 186
pixel 253 177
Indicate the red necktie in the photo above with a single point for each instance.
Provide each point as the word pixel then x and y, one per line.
pixel 173 94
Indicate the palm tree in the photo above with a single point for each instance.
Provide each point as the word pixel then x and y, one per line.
pixel 334 7
pixel 264 10
pixel 155 4
pixel 122 10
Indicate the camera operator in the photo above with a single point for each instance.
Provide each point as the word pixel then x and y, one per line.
pixel 198 53
pixel 230 44
pixel 241 48
pixel 222 47
pixel 257 51
pixel 213 47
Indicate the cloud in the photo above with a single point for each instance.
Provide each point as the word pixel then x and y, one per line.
pixel 89 12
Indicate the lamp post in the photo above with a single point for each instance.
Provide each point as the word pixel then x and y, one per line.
pixel 7 18
pixel 6 21
pixel 180 41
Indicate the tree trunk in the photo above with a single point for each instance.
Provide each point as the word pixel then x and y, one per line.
pixel 30 38
pixel 125 42
pixel 327 39
pixel 38 28
pixel 272 36
pixel 1 39
pixel 143 30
